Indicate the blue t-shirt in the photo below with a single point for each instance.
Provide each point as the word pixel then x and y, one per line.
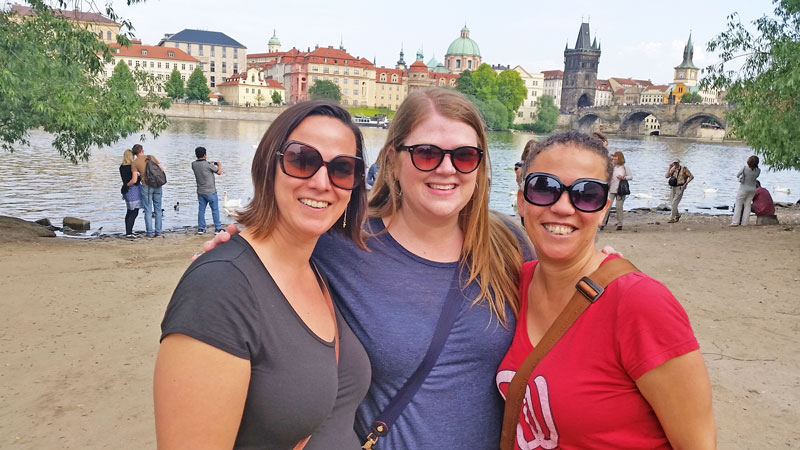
pixel 392 299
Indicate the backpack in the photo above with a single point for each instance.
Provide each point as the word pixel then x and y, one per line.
pixel 153 175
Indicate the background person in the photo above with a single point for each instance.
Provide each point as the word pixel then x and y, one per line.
pixel 764 207
pixel 628 374
pixel 131 192
pixel 747 177
pixel 204 171
pixel 682 178
pixel 151 196
pixel 621 172
pixel 254 353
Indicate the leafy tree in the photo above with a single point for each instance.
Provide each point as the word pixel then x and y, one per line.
pixel 196 86
pixel 276 98
pixel 547 115
pixel 692 97
pixel 174 85
pixel 260 99
pixel 765 91
pixel 325 89
pixel 51 78
pixel 511 90
pixel 465 83
pixel 485 81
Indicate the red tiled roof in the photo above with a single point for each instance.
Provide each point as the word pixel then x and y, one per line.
pixel 389 72
pixel 68 14
pixel 631 81
pixel 619 91
pixel 153 52
pixel 553 74
pixel 265 55
pixel 418 66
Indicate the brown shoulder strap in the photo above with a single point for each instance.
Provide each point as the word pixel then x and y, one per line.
pixel 588 290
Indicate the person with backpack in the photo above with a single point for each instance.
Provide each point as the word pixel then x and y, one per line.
pixel 153 178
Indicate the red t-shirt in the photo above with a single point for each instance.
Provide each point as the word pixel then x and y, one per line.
pixel 583 393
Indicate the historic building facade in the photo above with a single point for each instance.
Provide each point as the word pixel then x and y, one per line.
pixel 106 29
pixel 154 60
pixel 580 71
pixel 220 55
pixel 462 54
pixel 250 88
pixel 553 81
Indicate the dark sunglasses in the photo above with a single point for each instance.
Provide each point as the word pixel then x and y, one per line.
pixel 299 160
pixel 427 157
pixel 585 194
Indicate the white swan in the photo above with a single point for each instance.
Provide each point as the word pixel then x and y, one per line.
pixel 783 190
pixel 648 195
pixel 708 190
pixel 232 206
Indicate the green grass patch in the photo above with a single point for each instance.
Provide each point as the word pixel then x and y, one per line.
pixel 369 112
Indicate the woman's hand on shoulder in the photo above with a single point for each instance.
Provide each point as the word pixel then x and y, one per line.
pixel 219 238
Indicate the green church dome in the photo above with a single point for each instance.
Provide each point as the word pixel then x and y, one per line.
pixel 274 40
pixel 464 45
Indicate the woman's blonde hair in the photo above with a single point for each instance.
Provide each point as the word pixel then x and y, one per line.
pixel 620 158
pixel 127 157
pixel 491 250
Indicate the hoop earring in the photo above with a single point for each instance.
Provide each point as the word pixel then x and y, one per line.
pixel 344 218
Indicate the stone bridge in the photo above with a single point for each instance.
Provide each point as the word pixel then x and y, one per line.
pixel 675 120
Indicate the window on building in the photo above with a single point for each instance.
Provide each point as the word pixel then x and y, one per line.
pixel 183 66
pixel 246 90
pixel 346 70
pixel 159 64
pixel 345 102
pixel 235 53
pixel 224 51
pixel 355 91
pixel 383 77
pixel 533 115
pixel 189 48
pixel 469 64
pixel 458 64
pixel 315 68
pixel 212 81
pixel 108 35
pixel 336 80
pixel 224 67
pixel 336 71
pixel 326 70
pixel 355 102
pixel 183 77
pixel 519 114
pixel 212 49
pixel 344 91
pixel 314 78
pixel 235 67
pixel 151 64
pixel 171 54
pixel 356 72
pixel 394 78
pixel 346 80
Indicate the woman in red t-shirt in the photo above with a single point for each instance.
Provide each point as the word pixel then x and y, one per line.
pixel 628 373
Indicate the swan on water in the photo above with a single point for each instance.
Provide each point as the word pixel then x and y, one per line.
pixel 783 190
pixel 708 190
pixel 230 206
pixel 648 195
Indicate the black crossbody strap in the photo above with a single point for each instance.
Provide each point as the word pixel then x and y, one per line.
pixel 452 304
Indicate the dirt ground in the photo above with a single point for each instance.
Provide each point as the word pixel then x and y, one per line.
pixel 79 327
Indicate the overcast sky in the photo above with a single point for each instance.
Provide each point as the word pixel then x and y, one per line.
pixel 640 39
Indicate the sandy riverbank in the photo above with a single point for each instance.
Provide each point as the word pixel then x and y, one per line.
pixel 79 327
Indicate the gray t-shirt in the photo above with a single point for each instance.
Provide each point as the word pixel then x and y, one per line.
pixel 227 299
pixel 204 171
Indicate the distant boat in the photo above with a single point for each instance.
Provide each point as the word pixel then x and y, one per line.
pixel 374 121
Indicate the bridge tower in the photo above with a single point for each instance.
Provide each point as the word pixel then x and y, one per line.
pixel 580 71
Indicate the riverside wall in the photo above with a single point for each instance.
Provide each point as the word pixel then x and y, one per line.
pixel 225 112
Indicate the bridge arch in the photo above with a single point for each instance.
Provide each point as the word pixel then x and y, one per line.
pixel 587 122
pixel 632 122
pixel 688 127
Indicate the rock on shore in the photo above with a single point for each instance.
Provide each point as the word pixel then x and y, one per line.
pixel 14 229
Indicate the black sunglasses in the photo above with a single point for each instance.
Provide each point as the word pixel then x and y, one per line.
pixel 299 160
pixel 427 157
pixel 585 194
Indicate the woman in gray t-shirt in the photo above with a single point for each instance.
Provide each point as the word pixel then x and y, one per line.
pixel 254 353
pixel 747 189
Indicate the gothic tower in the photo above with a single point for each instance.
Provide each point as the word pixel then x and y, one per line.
pixel 580 72
pixel 686 72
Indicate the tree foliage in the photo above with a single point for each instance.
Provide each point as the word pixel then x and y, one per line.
pixel 691 97
pixel 765 91
pixel 174 85
pixel 497 97
pixel 260 98
pixel 547 116
pixel 276 98
pixel 196 86
pixel 51 77
pixel 325 90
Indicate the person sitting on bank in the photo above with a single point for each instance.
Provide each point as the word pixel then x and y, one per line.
pixel 764 207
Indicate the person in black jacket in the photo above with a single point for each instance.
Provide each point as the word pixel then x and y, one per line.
pixel 131 191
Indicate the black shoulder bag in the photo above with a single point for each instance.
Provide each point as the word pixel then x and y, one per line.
pixel 383 423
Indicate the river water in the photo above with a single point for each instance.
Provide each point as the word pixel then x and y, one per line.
pixel 35 182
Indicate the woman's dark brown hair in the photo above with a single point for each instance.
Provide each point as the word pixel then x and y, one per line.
pixel 260 215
